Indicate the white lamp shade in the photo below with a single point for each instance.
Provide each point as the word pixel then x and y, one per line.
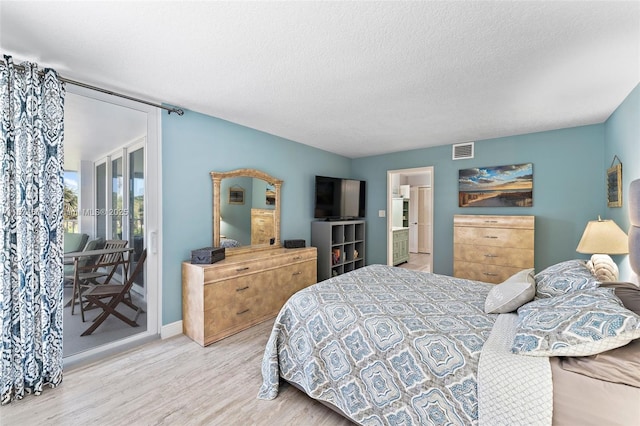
pixel 603 237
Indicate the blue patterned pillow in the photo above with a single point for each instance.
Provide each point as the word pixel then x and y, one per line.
pixel 564 277
pixel 579 323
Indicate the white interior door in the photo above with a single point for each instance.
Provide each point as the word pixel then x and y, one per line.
pixel 413 220
pixel 424 219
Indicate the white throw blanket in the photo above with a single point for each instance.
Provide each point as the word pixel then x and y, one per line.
pixel 603 267
pixel 512 389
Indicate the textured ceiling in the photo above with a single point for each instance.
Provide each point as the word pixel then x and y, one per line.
pixel 354 78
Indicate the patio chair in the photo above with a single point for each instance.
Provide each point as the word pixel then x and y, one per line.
pixel 103 267
pixel 106 265
pixel 84 263
pixel 116 294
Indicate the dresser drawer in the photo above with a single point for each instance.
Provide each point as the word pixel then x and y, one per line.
pixel 522 238
pixel 222 270
pixel 505 256
pixel 294 278
pixel 231 291
pixel 494 274
pixel 221 318
pixel 488 221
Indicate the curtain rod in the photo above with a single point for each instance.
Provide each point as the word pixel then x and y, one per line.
pixel 109 92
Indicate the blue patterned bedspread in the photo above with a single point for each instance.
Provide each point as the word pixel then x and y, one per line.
pixel 385 345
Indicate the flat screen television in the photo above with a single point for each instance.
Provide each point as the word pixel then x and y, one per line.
pixel 337 198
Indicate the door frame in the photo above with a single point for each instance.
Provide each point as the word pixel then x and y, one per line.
pixel 413 214
pixel 390 177
pixel 153 226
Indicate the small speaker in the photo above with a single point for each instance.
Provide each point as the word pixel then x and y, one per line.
pixel 207 255
pixel 294 243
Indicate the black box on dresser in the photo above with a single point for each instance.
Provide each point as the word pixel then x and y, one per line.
pixel 207 255
pixel 294 244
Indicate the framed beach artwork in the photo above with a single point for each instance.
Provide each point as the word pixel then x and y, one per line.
pixel 497 186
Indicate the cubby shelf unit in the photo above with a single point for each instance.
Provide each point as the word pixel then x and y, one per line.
pixel 340 245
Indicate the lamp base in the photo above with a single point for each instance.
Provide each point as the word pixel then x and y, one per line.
pixel 603 267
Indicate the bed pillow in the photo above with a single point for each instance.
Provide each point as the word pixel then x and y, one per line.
pixel 628 293
pixel 620 365
pixel 564 277
pixel 512 293
pixel 579 323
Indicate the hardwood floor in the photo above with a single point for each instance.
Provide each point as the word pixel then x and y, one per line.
pixel 172 382
pixel 418 262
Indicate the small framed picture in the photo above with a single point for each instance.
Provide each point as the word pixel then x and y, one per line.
pixel 236 195
pixel 614 186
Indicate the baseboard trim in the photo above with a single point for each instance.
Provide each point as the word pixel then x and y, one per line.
pixel 170 330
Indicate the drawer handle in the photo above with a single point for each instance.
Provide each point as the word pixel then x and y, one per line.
pixel 242 289
pixel 297 258
pixel 296 273
pixel 242 269
pixel 490 236
pixel 490 255
pixel 490 221
pixel 490 274
pixel 242 312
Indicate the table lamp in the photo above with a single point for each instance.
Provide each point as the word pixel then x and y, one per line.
pixel 602 238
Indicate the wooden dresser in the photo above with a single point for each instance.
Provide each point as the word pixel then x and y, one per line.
pixel 492 248
pixel 242 290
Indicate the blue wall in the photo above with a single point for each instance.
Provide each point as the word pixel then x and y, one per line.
pixel 622 136
pixel 195 144
pixel 568 189
pixel 569 184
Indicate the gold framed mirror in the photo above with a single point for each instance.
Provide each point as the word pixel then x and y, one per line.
pixel 264 210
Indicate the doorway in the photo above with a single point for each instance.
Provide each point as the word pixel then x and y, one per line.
pixel 412 188
pixel 112 151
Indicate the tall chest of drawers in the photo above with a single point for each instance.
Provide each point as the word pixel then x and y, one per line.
pixel 492 248
pixel 242 290
pixel 262 226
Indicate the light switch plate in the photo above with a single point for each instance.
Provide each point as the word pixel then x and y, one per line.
pixel 381 213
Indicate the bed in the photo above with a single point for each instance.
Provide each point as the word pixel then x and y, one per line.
pixel 385 345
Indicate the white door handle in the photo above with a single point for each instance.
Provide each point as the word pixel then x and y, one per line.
pixel 153 241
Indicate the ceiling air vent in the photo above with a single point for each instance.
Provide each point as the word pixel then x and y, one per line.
pixel 462 151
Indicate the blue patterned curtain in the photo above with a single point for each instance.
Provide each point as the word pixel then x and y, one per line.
pixel 31 254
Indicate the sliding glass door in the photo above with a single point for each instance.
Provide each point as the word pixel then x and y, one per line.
pixel 101 200
pixel 119 206
pixel 116 151
pixel 117 198
pixel 136 209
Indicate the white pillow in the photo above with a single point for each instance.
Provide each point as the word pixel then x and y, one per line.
pixel 512 293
